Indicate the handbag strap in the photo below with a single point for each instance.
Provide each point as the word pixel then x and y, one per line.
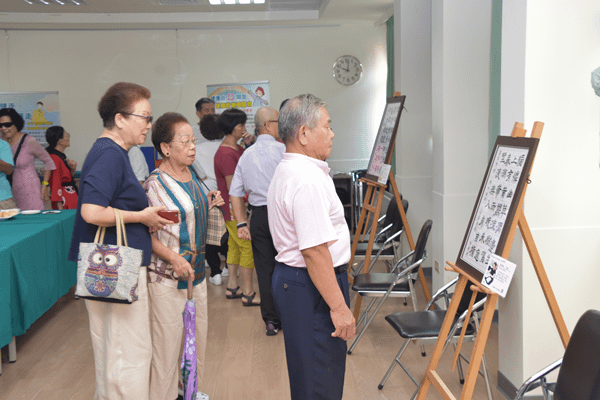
pixel 100 235
pixel 120 225
pixel 19 149
pixel 199 180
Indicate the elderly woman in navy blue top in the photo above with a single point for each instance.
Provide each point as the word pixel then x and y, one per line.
pixel 120 332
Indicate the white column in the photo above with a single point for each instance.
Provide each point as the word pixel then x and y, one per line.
pixel 412 38
pixel 461 93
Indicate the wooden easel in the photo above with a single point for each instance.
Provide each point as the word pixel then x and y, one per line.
pixel 372 209
pixel 431 376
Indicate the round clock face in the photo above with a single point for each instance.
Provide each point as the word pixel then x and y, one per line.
pixel 347 70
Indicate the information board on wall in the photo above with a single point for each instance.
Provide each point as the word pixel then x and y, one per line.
pixel 496 204
pixel 248 97
pixel 386 136
pixel 40 110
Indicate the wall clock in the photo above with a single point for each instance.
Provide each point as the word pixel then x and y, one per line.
pixel 347 70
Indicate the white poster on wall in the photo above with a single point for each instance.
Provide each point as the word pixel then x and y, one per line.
pixel 40 110
pixel 248 97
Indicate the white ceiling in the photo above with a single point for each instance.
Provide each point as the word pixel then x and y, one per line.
pixel 163 14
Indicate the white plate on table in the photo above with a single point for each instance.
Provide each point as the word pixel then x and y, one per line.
pixel 9 211
pixel 30 212
pixel 51 212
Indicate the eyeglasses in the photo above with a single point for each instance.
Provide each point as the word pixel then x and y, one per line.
pixel 6 124
pixel 148 118
pixel 272 120
pixel 187 142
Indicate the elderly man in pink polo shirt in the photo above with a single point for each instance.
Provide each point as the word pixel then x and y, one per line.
pixel 310 283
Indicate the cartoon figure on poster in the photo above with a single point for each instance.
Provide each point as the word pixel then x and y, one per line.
pixel 37 115
pixel 258 95
pixel 248 97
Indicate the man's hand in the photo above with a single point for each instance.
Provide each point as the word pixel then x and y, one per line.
pixel 344 322
pixel 244 233
pixel 320 269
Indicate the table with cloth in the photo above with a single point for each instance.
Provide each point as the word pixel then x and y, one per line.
pixel 34 270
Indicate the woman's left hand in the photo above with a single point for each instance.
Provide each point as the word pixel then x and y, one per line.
pixel 247 138
pixel 72 164
pixel 45 192
pixel 215 199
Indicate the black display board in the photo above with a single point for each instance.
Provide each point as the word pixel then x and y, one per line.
pixel 505 178
pixel 386 136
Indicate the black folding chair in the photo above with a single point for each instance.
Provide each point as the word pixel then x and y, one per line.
pixel 423 327
pixel 398 283
pixel 579 375
pixel 386 244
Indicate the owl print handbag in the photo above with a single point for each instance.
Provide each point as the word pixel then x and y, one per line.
pixel 108 272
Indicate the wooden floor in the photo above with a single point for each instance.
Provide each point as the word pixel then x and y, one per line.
pixel 55 359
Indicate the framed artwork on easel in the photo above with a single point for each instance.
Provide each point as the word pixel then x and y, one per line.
pixel 386 136
pixel 496 205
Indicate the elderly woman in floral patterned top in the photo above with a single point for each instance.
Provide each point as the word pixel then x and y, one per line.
pixel 177 252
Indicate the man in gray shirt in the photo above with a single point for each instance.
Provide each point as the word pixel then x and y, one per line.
pixel 253 175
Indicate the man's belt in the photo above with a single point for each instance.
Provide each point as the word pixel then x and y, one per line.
pixel 251 207
pixel 341 269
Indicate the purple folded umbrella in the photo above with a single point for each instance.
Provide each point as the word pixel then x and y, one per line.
pixel 188 358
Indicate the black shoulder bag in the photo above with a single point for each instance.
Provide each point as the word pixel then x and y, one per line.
pixel 9 177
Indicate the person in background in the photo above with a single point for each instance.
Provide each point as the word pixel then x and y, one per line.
pixel 310 281
pixel 120 332
pixel 6 168
pixel 283 104
pixel 253 175
pixel 204 106
pixel 25 182
pixel 63 189
pixel 138 163
pixel 232 122
pixel 177 253
pixel 204 164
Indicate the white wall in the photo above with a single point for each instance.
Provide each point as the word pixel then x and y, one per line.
pixel 547 57
pixel 176 65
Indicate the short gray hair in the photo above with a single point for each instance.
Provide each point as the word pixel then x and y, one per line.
pixel 301 110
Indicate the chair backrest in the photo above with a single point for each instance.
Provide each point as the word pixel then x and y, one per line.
pixel 579 376
pixel 392 216
pixel 422 241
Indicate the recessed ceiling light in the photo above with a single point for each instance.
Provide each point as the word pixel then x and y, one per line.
pixel 229 1
pixel 259 1
pixel 55 2
pixel 244 1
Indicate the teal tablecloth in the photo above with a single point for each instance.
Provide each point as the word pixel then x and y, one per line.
pixel 34 270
